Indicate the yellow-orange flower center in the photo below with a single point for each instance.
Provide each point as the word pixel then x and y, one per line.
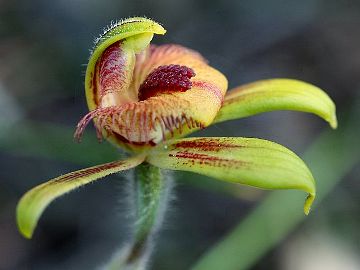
pixel 163 92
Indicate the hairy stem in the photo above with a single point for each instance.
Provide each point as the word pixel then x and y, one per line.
pixel 151 197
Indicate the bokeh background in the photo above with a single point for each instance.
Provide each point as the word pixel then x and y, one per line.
pixel 43 48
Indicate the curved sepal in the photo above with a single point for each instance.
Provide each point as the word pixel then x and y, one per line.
pixel 247 161
pixel 34 202
pixel 277 94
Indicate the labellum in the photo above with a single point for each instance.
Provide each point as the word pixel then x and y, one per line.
pixel 140 95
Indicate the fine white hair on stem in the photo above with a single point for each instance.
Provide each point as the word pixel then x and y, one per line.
pixel 120 259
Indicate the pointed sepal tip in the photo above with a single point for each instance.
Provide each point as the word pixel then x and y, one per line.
pixel 308 203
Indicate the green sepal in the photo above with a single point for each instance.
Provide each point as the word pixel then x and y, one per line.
pixel 34 202
pixel 248 161
pixel 277 94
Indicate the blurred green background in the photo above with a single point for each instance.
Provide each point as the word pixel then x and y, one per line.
pixel 211 225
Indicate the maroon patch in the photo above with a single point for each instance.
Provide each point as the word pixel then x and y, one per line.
pixel 86 172
pixel 166 79
pixel 205 144
pixel 203 159
pixel 112 69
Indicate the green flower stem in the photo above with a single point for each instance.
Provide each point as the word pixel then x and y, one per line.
pixel 151 193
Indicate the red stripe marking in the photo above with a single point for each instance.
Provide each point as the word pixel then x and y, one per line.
pixel 204 159
pixel 206 145
pixel 209 87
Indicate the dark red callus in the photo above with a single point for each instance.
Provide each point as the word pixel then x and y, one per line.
pixel 166 79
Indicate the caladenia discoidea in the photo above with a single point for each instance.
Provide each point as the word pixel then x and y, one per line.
pixel 145 98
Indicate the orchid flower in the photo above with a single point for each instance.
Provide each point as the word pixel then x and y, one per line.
pixel 146 98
